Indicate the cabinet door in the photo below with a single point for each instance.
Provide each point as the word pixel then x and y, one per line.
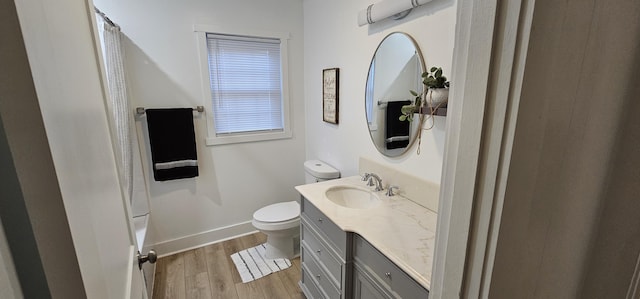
pixel 384 272
pixel 365 288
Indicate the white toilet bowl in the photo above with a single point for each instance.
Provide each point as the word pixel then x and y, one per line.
pixel 281 223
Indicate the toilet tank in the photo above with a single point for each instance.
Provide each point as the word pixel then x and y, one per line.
pixel 318 171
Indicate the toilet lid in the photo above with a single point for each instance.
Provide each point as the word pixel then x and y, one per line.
pixel 278 212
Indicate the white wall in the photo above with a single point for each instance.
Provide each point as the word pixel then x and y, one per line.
pixel 235 180
pixel 333 39
pixel 163 71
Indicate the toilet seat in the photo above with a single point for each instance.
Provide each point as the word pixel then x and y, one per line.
pixel 279 216
pixel 277 226
pixel 278 212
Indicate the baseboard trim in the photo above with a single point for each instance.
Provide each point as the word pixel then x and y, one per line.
pixel 217 235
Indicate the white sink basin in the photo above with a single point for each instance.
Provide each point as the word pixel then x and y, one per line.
pixel 352 197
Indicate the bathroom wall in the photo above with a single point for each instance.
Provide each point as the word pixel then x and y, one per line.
pixel 235 180
pixel 569 226
pixel 163 71
pixel 333 39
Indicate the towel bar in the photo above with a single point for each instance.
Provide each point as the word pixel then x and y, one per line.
pixel 383 102
pixel 141 110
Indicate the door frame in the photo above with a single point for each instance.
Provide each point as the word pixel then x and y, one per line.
pixel 491 39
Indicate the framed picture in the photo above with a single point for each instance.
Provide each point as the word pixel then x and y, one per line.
pixel 330 92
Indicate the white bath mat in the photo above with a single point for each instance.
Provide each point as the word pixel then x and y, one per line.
pixel 252 264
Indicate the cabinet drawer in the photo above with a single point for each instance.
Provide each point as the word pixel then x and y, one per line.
pixel 325 227
pixel 386 272
pixel 320 277
pixel 325 256
pixel 308 286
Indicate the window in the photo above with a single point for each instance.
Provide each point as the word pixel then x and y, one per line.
pixel 369 98
pixel 245 87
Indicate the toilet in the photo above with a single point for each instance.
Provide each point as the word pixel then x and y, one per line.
pixel 281 221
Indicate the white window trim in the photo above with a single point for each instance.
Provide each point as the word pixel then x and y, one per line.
pixel 201 35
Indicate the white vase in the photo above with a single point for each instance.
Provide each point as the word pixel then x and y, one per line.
pixel 437 97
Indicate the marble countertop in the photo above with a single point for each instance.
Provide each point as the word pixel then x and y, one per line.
pixel 402 230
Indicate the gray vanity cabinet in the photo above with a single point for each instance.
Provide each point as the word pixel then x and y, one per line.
pixel 365 287
pixel 341 265
pixel 376 274
pixel 324 250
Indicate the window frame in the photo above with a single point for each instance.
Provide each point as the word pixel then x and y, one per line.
pixel 203 54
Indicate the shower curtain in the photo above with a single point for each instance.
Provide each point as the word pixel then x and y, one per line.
pixel 121 114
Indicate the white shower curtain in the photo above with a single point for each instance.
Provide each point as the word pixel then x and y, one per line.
pixel 121 114
pixel 119 104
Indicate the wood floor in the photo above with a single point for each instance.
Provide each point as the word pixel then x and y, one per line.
pixel 208 272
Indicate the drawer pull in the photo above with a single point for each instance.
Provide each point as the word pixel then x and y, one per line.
pixel 387 274
pixel 318 251
pixel 320 220
pixel 318 276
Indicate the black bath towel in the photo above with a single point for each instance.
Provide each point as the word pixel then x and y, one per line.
pixel 173 143
pixel 396 131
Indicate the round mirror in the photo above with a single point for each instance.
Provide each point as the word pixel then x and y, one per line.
pixel 395 69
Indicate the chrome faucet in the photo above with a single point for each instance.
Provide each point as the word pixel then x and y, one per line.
pixel 390 190
pixel 366 176
pixel 371 177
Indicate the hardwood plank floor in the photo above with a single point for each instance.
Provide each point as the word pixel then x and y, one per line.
pixel 209 272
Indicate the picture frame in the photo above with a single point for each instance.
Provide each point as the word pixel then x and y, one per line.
pixel 330 95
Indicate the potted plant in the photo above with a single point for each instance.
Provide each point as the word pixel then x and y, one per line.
pixel 436 93
pixel 438 87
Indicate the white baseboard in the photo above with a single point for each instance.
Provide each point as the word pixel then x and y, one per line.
pixel 174 246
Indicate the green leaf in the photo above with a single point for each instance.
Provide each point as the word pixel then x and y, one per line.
pixel 438 73
pixel 413 93
pixel 408 109
pixel 433 69
pixel 429 82
pixel 402 117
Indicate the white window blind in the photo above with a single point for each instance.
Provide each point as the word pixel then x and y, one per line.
pixel 246 84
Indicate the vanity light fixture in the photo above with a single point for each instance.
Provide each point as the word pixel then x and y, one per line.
pixel 387 8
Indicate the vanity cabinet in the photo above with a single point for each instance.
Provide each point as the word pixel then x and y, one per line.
pixel 341 265
pixel 365 287
pixel 378 277
pixel 324 252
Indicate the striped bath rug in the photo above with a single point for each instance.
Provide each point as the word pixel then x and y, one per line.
pixel 252 264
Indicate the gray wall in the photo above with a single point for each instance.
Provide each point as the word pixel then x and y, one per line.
pixel 611 262
pixel 569 226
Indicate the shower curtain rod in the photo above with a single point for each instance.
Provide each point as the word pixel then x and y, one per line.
pixel 105 18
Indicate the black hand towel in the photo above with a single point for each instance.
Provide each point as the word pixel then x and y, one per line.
pixel 396 131
pixel 173 143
